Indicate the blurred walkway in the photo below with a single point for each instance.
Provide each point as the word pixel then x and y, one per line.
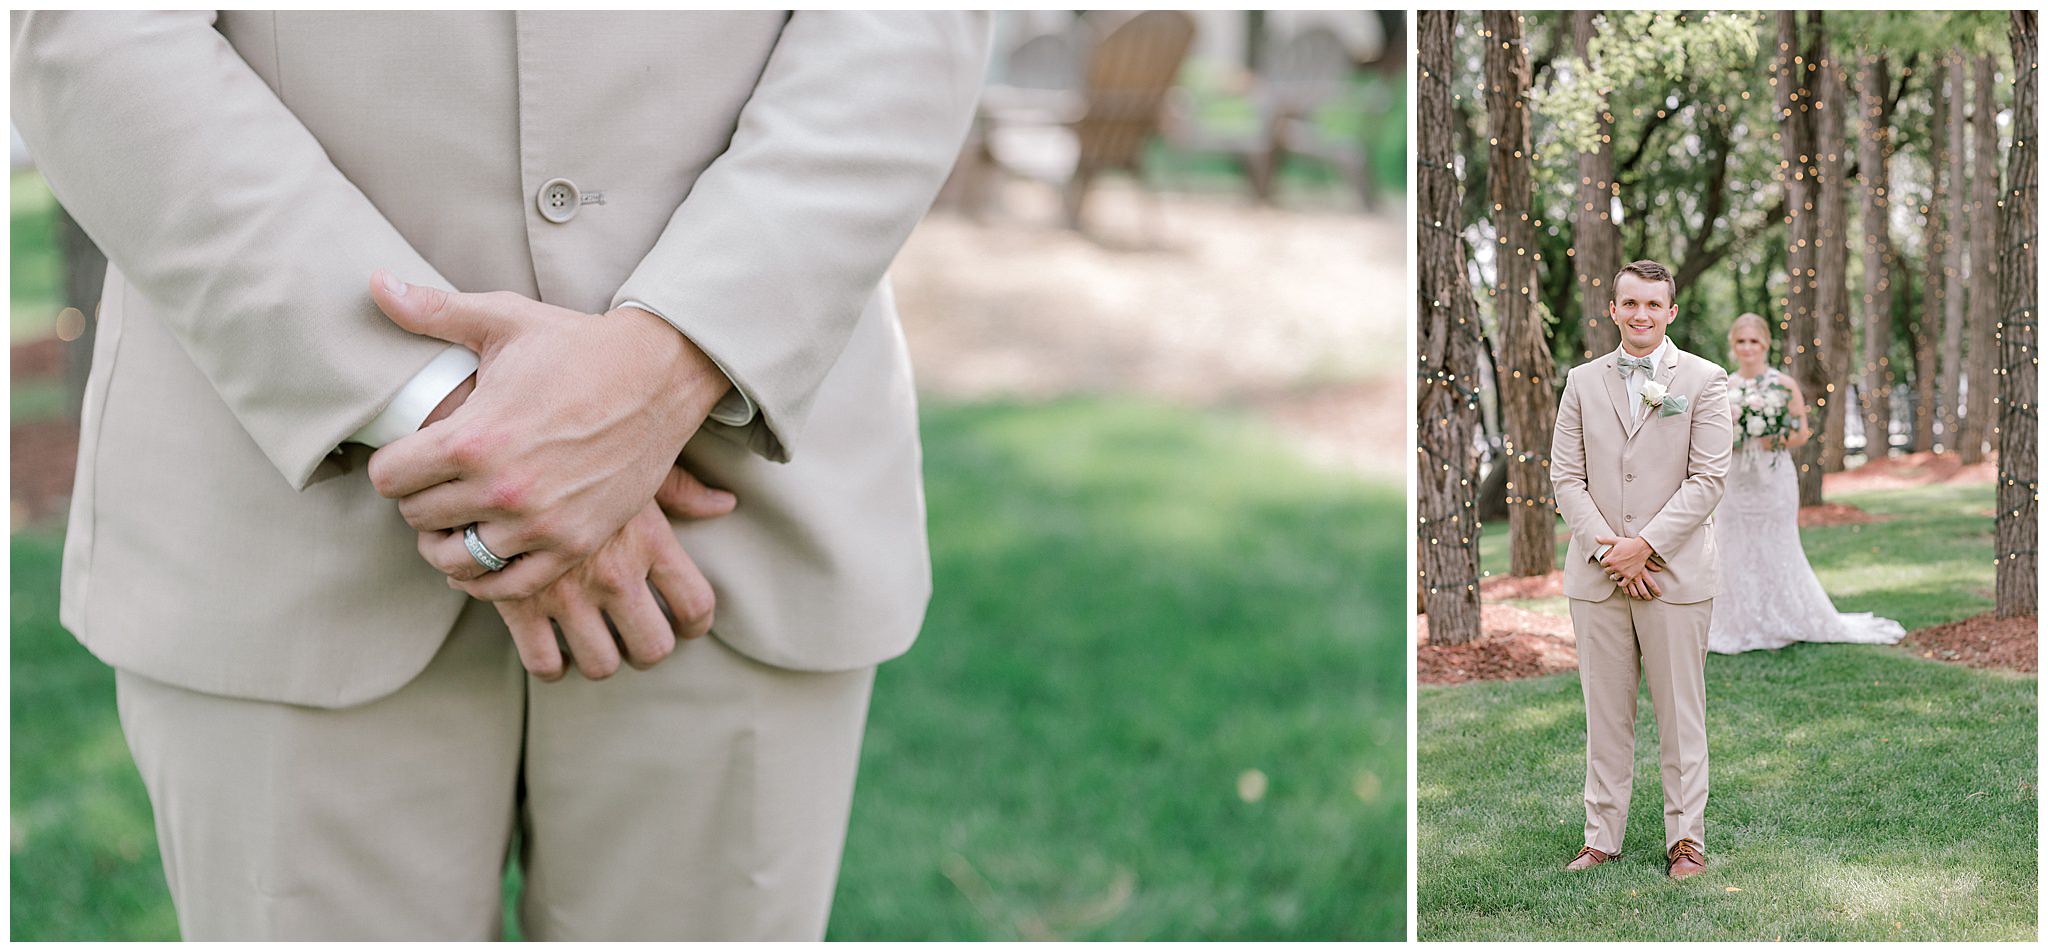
pixel 1207 300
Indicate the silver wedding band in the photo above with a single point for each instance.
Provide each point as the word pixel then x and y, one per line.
pixel 478 551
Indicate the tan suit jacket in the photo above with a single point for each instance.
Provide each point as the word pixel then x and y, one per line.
pixel 748 175
pixel 1659 478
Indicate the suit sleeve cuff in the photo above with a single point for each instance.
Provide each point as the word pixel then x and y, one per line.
pixel 1601 552
pixel 733 409
pixel 419 397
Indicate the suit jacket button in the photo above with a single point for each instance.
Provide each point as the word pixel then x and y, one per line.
pixel 558 200
pixel 1628 518
pixel 1631 477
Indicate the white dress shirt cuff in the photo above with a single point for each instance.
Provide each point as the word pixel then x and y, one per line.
pixel 419 397
pixel 1601 552
pixel 733 409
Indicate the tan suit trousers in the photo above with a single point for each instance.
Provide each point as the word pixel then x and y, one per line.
pixel 1623 640
pixel 706 798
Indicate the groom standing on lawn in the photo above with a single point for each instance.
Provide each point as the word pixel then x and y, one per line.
pixel 1638 460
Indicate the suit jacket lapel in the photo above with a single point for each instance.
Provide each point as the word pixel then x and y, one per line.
pixel 1617 394
pixel 1665 372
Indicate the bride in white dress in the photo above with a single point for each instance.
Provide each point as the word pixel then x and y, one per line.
pixel 1769 595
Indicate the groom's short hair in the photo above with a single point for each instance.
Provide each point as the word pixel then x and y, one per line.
pixel 1649 271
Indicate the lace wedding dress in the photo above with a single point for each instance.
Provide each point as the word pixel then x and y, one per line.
pixel 1769 595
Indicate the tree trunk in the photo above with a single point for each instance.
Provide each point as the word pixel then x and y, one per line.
pixel 1983 265
pixel 1874 162
pixel 1798 81
pixel 1831 302
pixel 1952 264
pixel 2018 486
pixel 1596 239
pixel 1934 289
pixel 1447 345
pixel 1529 405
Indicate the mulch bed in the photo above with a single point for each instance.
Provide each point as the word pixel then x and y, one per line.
pixel 1911 469
pixel 1982 641
pixel 1833 514
pixel 1498 588
pixel 42 358
pixel 44 454
pixel 1516 643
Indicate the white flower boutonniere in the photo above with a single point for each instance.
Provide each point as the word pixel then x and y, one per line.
pixel 1662 400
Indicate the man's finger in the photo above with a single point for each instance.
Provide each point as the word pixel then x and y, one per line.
pixel 534 636
pixel 1606 540
pixel 472 320
pixel 450 505
pixel 446 552
pixel 643 631
pixel 590 642
pixel 412 463
pixel 524 578
pixel 688 595
pixel 683 496
pixel 1650 585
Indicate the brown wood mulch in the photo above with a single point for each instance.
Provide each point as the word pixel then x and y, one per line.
pixel 41 358
pixel 1516 643
pixel 1982 641
pixel 40 465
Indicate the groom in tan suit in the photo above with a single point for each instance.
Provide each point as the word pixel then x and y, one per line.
pixel 568 271
pixel 1638 461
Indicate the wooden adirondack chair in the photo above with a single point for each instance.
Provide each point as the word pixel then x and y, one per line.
pixel 1130 66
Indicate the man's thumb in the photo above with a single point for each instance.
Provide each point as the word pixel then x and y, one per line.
pixel 682 496
pixel 432 312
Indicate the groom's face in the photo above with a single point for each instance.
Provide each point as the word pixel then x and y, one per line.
pixel 1642 309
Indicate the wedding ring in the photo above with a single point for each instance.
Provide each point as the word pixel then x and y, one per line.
pixel 478 551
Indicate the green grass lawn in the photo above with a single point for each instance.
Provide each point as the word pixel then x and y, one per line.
pixel 1135 608
pixel 1859 792
pixel 36 272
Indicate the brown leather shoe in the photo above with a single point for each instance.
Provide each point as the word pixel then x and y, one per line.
pixel 1685 859
pixel 1589 857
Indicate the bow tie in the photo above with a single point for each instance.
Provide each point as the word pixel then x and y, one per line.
pixel 1624 365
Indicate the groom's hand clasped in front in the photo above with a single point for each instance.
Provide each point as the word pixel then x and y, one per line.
pixel 1631 562
pixel 574 424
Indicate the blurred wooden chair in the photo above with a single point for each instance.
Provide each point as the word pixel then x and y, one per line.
pixel 1130 64
pixel 1304 73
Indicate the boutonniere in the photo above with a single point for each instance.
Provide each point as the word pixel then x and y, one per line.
pixel 1663 401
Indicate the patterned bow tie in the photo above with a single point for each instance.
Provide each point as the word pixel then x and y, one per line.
pixel 1625 365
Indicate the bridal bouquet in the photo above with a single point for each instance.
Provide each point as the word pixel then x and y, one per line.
pixel 1762 408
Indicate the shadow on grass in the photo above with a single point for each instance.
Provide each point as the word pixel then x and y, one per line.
pixel 1134 608
pixel 1858 793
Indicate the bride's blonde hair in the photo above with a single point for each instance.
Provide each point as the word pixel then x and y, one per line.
pixel 1763 327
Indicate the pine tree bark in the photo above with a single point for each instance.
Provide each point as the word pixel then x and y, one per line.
pixel 1952 263
pixel 1529 402
pixel 2019 419
pixel 1797 69
pixel 1448 354
pixel 1596 238
pixel 1873 166
pixel 1831 301
pixel 1983 269
pixel 1934 285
